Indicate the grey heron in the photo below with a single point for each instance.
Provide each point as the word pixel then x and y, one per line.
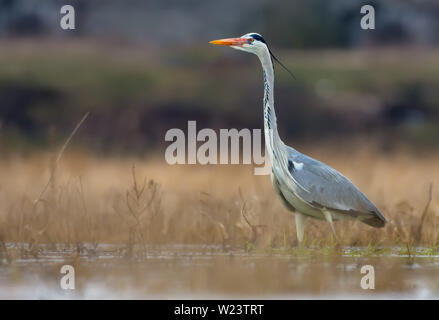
pixel 305 186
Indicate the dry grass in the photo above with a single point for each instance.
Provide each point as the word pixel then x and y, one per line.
pixel 98 200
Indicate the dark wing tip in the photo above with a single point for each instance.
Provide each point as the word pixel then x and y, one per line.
pixel 377 220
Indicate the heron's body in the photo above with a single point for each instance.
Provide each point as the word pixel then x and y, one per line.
pixel 304 185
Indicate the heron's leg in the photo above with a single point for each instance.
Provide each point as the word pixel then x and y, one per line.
pixel 300 225
pixel 328 217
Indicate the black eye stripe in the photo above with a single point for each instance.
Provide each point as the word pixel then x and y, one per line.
pixel 258 37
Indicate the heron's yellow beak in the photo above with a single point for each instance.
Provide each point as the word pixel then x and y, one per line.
pixel 230 42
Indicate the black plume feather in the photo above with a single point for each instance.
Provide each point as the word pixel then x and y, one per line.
pixel 273 57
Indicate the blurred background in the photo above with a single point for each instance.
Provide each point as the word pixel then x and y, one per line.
pixel 143 67
pixel 366 102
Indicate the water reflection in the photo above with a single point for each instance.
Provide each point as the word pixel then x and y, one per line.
pixel 191 272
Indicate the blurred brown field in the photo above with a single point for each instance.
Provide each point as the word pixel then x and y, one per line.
pixel 138 202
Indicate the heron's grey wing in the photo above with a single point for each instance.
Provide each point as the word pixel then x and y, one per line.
pixel 322 186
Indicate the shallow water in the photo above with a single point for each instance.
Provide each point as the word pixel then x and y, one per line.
pixel 207 272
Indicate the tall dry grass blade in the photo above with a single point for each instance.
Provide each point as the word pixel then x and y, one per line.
pixel 418 234
pixel 253 227
pixel 58 158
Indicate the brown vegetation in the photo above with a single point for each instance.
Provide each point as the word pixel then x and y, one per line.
pixel 138 202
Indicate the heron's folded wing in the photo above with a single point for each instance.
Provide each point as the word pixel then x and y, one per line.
pixel 322 186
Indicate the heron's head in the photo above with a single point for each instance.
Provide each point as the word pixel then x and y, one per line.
pixel 250 42
pixel 253 43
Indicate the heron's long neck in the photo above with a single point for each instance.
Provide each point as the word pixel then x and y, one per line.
pixel 274 144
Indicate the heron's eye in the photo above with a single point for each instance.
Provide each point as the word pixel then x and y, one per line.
pixel 250 40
